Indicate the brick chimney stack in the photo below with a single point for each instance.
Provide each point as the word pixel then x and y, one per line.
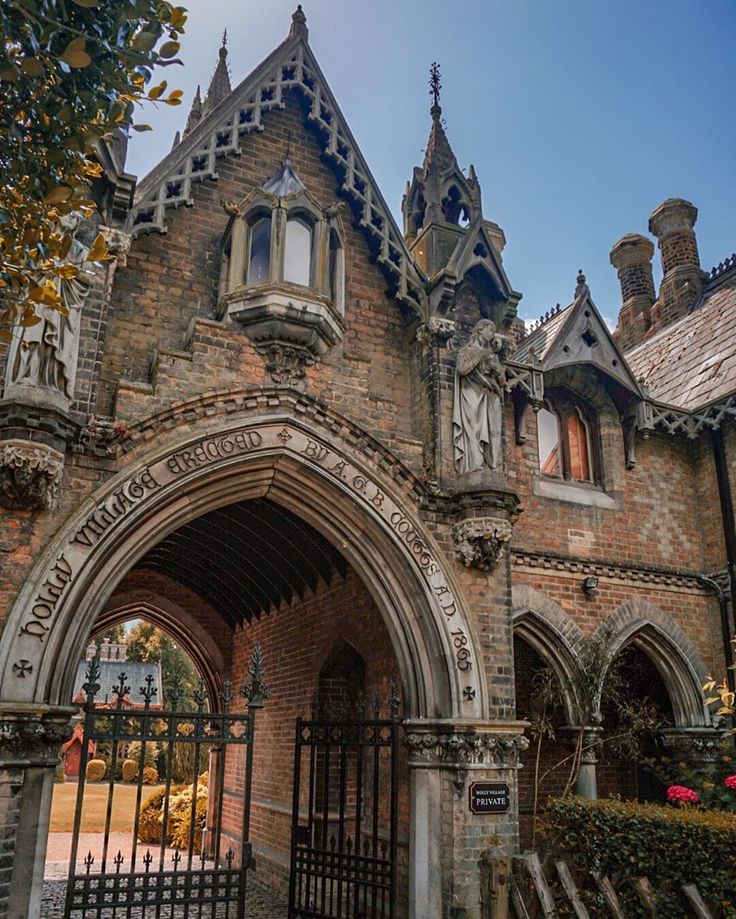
pixel 631 256
pixel 672 223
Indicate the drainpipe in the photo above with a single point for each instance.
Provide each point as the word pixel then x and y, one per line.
pixel 729 533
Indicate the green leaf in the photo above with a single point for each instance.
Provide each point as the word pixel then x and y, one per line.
pixel 75 55
pixel 86 4
pixel 142 127
pixel 145 41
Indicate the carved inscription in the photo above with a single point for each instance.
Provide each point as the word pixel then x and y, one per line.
pixel 45 603
pixel 115 507
pixel 407 533
pixel 213 449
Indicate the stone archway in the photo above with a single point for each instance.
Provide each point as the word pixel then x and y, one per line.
pixel 642 624
pixel 320 478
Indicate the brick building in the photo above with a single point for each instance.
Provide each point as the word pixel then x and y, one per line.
pixel 277 418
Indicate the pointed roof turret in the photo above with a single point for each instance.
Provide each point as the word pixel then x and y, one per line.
pixel 220 86
pixel 195 113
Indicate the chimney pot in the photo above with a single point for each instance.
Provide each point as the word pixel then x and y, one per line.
pixel 631 256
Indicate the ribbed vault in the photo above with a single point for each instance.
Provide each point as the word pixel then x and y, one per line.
pixel 246 559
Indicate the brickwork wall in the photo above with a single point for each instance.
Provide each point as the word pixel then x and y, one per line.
pixel 296 641
pixel 171 280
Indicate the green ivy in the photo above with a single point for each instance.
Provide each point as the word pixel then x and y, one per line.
pixel 668 845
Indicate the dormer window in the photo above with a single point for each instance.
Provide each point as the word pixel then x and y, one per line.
pixel 565 427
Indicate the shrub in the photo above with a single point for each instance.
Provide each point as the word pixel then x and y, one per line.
pixel 153 752
pixel 150 775
pixel 178 826
pixel 96 769
pixel 670 846
pixel 130 770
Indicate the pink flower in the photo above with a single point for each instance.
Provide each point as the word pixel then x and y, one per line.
pixel 682 795
pixel 730 782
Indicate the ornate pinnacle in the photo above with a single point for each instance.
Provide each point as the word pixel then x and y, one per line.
pixel 435 84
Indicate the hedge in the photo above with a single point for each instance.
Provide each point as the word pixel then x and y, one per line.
pixel 669 845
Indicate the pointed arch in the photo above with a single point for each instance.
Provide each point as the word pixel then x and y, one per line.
pixel 639 622
pixel 544 625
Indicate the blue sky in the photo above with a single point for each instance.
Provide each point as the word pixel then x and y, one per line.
pixel 580 116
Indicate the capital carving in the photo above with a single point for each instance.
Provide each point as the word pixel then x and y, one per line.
pixel 436 328
pixel 32 739
pixel 30 475
pixel 699 747
pixel 464 747
pixel 480 541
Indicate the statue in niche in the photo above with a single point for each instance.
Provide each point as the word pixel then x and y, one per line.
pixel 477 415
pixel 44 355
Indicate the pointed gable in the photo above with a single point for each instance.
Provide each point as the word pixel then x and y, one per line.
pixel 291 67
pixel 579 335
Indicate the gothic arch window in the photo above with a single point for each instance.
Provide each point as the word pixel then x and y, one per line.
pixel 336 272
pixel 298 251
pixel 259 250
pixel 566 438
pixel 454 209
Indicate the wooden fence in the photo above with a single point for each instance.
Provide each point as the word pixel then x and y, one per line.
pixel 531 894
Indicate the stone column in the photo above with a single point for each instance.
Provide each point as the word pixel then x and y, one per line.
pixel 29 753
pixel 586 782
pixel 448 839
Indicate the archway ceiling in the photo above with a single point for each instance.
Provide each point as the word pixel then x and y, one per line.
pixel 246 559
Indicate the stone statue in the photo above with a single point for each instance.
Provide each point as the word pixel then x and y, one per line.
pixel 477 415
pixel 44 355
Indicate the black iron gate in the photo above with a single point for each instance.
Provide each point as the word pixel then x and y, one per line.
pixel 344 816
pixel 189 852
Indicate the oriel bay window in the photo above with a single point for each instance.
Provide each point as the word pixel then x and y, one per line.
pixel 282 274
pixel 566 438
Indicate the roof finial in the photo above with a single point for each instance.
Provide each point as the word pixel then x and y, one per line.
pixel 288 147
pixel 582 287
pixel 223 46
pixel 435 87
pixel 298 23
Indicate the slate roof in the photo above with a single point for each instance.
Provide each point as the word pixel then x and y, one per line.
pixel 692 362
pixel 543 337
pixel 135 677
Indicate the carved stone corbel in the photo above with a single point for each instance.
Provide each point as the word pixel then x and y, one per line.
pixel 480 541
pixel 30 475
pixel 436 328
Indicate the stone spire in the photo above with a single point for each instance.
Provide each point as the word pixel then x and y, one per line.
pixel 195 114
pixel 220 86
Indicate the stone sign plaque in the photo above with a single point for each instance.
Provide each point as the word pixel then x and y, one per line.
pixel 489 797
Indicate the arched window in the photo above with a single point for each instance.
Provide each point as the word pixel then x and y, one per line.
pixel 565 428
pixel 548 442
pixel 336 272
pixel 259 251
pixel 578 437
pixel 298 252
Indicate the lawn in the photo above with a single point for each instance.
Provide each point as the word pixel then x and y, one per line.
pixel 95 807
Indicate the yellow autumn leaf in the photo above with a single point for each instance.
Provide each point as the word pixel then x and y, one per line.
pixel 57 195
pixel 157 90
pixel 98 250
